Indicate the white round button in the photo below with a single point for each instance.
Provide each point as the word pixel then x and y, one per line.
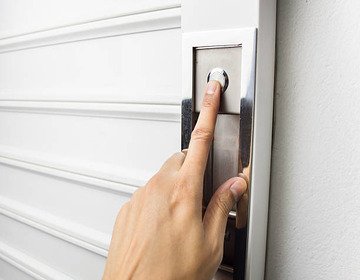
pixel 219 74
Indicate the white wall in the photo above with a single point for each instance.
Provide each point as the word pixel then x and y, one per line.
pixel 87 90
pixel 314 226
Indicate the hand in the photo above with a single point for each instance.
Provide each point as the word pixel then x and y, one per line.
pixel 161 232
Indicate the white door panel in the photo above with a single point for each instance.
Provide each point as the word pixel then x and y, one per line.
pixel 9 271
pixel 42 14
pixel 83 142
pixel 59 199
pixel 62 256
pixel 104 69
pixel 83 108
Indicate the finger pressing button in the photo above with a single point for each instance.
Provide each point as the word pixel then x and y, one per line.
pixel 220 75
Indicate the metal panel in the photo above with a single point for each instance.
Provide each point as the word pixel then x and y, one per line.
pixel 232 148
pixel 225 57
pixel 210 16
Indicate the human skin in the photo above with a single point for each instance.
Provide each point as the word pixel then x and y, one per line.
pixel 162 232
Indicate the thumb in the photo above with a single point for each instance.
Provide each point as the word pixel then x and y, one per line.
pixel 221 203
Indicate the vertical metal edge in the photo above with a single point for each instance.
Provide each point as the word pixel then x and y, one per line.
pixel 246 134
pixel 261 157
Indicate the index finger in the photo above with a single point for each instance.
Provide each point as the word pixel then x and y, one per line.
pixel 203 133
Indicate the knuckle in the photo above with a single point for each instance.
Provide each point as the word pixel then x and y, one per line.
pixel 137 194
pixel 155 186
pixel 222 203
pixel 184 187
pixel 181 194
pixel 180 188
pixel 179 156
pixel 153 181
pixel 152 186
pixel 202 134
pixel 175 157
pixel 208 100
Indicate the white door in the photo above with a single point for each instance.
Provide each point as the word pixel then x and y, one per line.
pixel 90 102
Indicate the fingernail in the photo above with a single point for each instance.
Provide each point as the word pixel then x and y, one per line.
pixel 211 87
pixel 237 188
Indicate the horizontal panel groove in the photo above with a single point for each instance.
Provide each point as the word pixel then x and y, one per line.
pixel 125 11
pixel 77 234
pixel 74 171
pixel 157 112
pixel 122 25
pixel 137 98
pixel 29 265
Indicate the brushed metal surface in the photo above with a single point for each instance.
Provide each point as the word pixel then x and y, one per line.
pixel 228 58
pixel 225 149
pixel 231 152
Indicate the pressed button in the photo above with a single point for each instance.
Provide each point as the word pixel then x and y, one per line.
pixel 220 75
